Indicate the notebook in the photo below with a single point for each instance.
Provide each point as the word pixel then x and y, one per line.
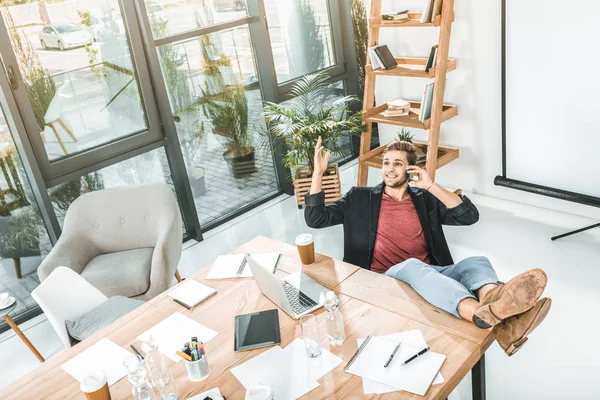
pixel 191 293
pixel 234 265
pixel 414 377
pixel 426 103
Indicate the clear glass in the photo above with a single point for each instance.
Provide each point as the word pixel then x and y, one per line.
pixel 159 372
pixel 217 103
pixel 137 375
pixel 334 322
pixel 311 336
pixel 186 15
pixel 24 240
pixel 78 71
pixel 301 39
pixel 151 167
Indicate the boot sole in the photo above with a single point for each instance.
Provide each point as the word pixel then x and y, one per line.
pixel 521 299
pixel 539 318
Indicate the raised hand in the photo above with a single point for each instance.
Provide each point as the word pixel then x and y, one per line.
pixel 424 181
pixel 321 161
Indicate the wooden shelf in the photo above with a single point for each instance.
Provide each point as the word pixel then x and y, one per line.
pixel 411 120
pixel 410 67
pixel 374 158
pixel 414 21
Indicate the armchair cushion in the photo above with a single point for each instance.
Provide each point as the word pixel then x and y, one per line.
pixel 101 316
pixel 123 273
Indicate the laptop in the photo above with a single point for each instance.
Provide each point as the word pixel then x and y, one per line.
pixel 297 294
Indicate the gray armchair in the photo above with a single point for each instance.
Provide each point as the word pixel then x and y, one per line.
pixel 124 241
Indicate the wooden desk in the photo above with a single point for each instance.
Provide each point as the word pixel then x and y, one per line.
pixel 361 318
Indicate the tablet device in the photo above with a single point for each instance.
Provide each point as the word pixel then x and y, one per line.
pixel 255 330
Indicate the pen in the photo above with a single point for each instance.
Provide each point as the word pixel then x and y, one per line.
pixel 392 356
pixel 137 353
pixel 184 356
pixel 425 350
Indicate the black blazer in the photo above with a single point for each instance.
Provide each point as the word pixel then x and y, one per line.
pixel 358 210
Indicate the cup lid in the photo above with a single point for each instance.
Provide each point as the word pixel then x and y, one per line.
pixel 93 382
pixel 304 239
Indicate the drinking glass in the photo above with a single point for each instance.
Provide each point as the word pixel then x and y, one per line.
pixel 310 333
pixel 136 373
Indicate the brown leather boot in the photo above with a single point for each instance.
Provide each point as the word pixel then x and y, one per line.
pixel 511 334
pixel 515 297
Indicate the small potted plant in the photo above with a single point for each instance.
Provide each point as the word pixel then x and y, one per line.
pixel 228 113
pixel 298 124
pixel 406 135
pixel 20 236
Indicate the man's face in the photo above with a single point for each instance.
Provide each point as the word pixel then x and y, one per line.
pixel 393 169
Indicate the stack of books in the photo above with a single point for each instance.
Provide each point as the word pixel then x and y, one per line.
pixel 400 16
pixel 397 108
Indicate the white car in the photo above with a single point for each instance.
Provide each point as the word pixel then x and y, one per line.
pixel 64 36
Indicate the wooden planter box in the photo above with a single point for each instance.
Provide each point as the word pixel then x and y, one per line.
pixel 331 184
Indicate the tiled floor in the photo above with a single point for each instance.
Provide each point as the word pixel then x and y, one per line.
pixel 561 359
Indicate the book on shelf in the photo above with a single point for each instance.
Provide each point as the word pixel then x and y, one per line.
pixel 432 58
pixel 381 57
pixel 427 11
pixel 385 56
pixel 375 62
pixel 397 16
pixel 437 9
pixel 427 100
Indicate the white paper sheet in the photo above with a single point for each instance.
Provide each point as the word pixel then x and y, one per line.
pixel 214 394
pixel 227 266
pixel 413 338
pixel 415 377
pixel 305 366
pixel 171 333
pixel 192 292
pixel 105 356
pixel 273 368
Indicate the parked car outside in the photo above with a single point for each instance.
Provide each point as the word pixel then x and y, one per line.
pixel 64 36
pixel 222 5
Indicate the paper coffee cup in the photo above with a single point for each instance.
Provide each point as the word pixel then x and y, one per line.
pixel 95 386
pixel 306 248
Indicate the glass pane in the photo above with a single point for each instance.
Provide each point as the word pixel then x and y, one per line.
pixel 217 104
pixel 76 64
pixel 151 167
pixel 185 15
pixel 23 236
pixel 301 38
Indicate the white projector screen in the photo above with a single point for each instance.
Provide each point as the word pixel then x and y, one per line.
pixel 551 90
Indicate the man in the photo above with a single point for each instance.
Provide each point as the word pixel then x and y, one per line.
pixel 396 229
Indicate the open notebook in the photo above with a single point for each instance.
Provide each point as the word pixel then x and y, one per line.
pixel 414 377
pixel 235 266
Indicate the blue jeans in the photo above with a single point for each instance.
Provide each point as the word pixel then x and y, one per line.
pixel 445 287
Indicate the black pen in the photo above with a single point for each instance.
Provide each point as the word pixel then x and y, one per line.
pixel 419 354
pixel 138 353
pixel 392 356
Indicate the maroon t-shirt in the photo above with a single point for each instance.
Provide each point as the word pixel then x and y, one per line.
pixel 399 235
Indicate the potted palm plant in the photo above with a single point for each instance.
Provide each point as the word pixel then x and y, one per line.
pixel 298 124
pixel 228 113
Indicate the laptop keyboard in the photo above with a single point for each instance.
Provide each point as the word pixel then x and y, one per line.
pixel 298 300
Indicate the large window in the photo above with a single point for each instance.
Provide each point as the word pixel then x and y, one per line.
pixel 108 93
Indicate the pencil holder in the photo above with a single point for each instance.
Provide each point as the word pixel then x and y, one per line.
pixel 198 370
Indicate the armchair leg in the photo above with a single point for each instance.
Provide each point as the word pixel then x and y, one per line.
pixel 177 276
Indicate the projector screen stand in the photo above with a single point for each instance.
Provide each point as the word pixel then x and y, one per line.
pixel 577 231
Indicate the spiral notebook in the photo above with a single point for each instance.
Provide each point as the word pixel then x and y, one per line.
pixel 415 377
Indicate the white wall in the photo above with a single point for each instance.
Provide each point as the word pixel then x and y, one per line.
pixel 475 86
